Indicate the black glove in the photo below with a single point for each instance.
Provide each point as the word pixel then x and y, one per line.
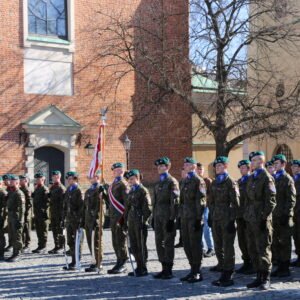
pixel 284 220
pixel 152 222
pixel 197 225
pixel 231 227
pixel 209 221
pixel 170 226
pixel 263 225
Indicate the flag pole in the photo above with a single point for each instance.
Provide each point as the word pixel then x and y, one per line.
pixel 101 199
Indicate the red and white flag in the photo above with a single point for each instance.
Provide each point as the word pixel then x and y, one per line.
pixel 97 162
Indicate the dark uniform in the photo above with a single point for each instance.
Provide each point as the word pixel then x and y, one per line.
pixel 41 215
pixel 118 190
pixel 91 221
pixel 247 267
pixel 258 215
pixel 192 204
pixel 15 209
pixel 27 215
pixel 165 206
pixel 283 222
pixel 223 206
pixel 137 213
pixel 57 195
pixel 73 210
pixel 297 220
pixel 3 220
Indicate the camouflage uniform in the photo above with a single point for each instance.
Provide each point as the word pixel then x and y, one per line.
pixel 192 204
pixel 41 215
pixel 223 206
pixel 91 219
pixel 260 203
pixel 3 220
pixel 15 209
pixel 119 190
pixel 297 219
pixel 137 212
pixel 57 194
pixel 73 211
pixel 283 221
pixel 27 216
pixel 165 205
pixel 241 226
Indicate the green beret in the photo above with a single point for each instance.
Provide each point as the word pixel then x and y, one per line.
pixel 244 162
pixel 71 174
pixel 221 160
pixel 14 177
pixel 22 177
pixel 162 161
pixel 269 163
pixel 256 153
pixel 133 172
pixel 295 162
pixel 56 172
pixel 117 165
pixel 280 157
pixel 39 175
pixel 6 176
pixel 190 160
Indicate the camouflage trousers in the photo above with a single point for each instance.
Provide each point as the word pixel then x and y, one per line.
pixel 15 233
pixel 118 239
pixel 296 234
pixel 88 231
pixel 57 232
pixel 41 227
pixel 242 239
pixel 2 241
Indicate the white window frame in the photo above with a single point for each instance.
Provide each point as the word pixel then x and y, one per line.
pixel 69 44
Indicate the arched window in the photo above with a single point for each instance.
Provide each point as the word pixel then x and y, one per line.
pixel 48 17
pixel 285 149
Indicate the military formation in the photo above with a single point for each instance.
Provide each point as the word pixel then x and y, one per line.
pixel 262 208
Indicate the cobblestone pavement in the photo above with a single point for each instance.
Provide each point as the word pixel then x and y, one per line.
pixel 42 277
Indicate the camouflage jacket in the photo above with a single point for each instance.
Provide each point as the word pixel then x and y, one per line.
pixel 57 196
pixel 73 205
pixel 3 207
pixel 297 206
pixel 243 194
pixel 119 189
pixel 41 202
pixel 16 206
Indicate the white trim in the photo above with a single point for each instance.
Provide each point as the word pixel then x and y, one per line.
pixel 71 30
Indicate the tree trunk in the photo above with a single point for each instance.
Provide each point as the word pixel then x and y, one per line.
pixel 221 148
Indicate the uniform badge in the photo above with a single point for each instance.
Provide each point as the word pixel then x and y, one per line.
pixel 272 187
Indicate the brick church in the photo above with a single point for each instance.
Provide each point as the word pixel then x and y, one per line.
pixel 50 94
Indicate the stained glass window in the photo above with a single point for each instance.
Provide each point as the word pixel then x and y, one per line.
pixel 48 17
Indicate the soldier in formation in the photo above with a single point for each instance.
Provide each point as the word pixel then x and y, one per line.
pixel 3 217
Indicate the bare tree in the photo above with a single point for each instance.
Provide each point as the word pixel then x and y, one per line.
pixel 249 100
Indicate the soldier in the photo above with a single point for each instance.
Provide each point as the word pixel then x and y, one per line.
pixel 91 218
pixel 117 193
pixel 270 167
pixel 207 233
pixel 41 212
pixel 283 216
pixel 165 205
pixel 247 267
pixel 15 209
pixel 6 181
pixel 72 216
pixel 26 235
pixel 223 205
pixel 296 173
pixel 137 213
pixel 260 203
pixel 56 194
pixel 192 204
pixel 3 218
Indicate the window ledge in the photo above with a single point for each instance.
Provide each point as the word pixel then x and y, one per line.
pixel 48 42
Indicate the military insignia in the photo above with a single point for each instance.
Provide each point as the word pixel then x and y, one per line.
pixel 272 187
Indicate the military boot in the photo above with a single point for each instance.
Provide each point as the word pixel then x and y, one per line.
pixel 160 274
pixel 225 280
pixel 296 263
pixel 266 281
pixel 188 276
pixel 216 268
pixel 8 248
pixel 168 274
pixel 121 268
pixel 91 268
pixel 256 283
pixel 196 274
pixel 246 268
pixel 285 269
pixel 111 271
pixel 277 270
pixel 40 250
pixel 15 257
pixel 71 266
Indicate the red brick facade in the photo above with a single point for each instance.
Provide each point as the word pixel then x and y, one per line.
pixel 165 131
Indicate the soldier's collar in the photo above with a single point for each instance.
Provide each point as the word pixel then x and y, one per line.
pixel 222 177
pixel 163 176
pixel 245 178
pixel 279 173
pixel 297 177
pixel 118 178
pixel 73 187
pixel 135 187
pixel 191 174
pixel 257 172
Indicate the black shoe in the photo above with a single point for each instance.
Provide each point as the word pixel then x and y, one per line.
pixel 8 248
pixel 216 268
pixel 68 252
pixel 40 250
pixel 2 258
pixel 296 263
pixel 179 245
pixel 195 278
pixel 187 277
pixel 71 267
pixel 225 280
pixel 246 269
pixel 209 253
pixel 119 268
pixel 138 273
pixel 161 273
pixel 53 251
pixel 91 268
pixel 26 249
pixel 14 258
pixel 168 274
pixel 111 271
pixel 256 283
pixel 266 281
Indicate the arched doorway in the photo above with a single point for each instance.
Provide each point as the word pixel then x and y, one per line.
pixel 285 149
pixel 48 159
